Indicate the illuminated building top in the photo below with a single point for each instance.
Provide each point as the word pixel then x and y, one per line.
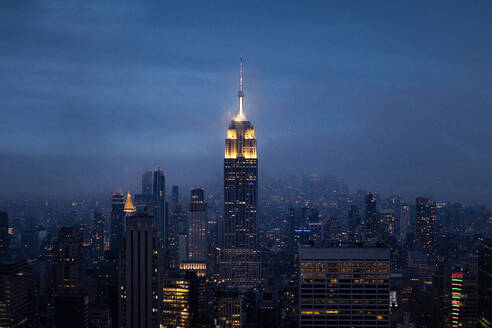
pixel 241 141
pixel 129 207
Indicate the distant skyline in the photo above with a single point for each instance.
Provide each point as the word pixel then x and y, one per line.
pixel 392 97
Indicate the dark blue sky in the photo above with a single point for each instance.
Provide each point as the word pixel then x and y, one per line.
pixel 390 96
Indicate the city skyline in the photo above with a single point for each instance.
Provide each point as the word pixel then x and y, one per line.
pixel 91 118
pixel 348 185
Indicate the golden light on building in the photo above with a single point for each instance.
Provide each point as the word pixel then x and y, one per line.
pixel 199 268
pixel 176 303
pixel 129 207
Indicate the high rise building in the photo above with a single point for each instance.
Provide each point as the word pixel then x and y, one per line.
pixel 371 217
pixel 70 262
pixel 239 261
pixel 426 230
pixel 14 303
pixel 177 232
pixel 485 283
pixel 139 273
pixel 71 302
pixel 197 236
pixel 30 242
pixel 98 237
pixel 160 208
pixel 4 234
pixel 228 308
pixel 117 222
pixel 176 302
pixel 464 294
pixel 342 285
pixel 404 221
pixel 354 221
pixel 388 222
pixel 72 311
pixel 146 198
pixel 174 198
pixel 147 183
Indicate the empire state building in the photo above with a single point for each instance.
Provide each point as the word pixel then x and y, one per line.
pixel 239 261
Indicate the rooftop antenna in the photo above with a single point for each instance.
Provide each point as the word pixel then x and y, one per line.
pixel 241 116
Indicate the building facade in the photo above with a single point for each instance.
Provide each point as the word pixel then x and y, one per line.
pixel 197 236
pixel 342 285
pixel 139 273
pixel 426 227
pixel 14 302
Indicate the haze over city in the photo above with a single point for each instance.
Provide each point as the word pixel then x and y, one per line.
pixel 387 96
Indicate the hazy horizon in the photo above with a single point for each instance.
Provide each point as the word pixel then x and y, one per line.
pixel 391 97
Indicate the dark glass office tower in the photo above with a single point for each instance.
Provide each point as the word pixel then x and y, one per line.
pixel 117 222
pixel 147 183
pixel 239 259
pixel 159 192
pixel 140 287
pixel 71 302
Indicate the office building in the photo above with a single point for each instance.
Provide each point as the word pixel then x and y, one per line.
pixel 197 236
pixel 98 237
pixel 14 302
pixel 464 293
pixel 117 222
pixel 426 227
pixel 70 262
pixel 159 203
pixel 343 285
pixel 176 302
pixel 139 273
pixel 147 183
pixel 71 301
pixel 371 217
pixel 228 308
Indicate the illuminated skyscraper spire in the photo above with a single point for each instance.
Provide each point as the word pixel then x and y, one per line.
pixel 240 116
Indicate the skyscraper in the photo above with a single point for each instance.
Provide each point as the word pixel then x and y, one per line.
pixel 343 285
pixel 426 227
pixel 14 302
pixel 71 302
pixel 117 222
pixel 464 293
pixel 147 183
pixel 485 282
pixel 146 197
pixel 404 221
pixel 197 237
pixel 239 259
pixel 4 234
pixel 371 217
pixel 176 302
pixel 69 262
pixel 139 274
pixel 98 237
pixel 160 212
pixel 177 232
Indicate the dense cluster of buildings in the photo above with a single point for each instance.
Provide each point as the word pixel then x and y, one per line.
pixel 308 253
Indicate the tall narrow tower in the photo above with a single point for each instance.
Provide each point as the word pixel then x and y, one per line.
pixel 239 258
